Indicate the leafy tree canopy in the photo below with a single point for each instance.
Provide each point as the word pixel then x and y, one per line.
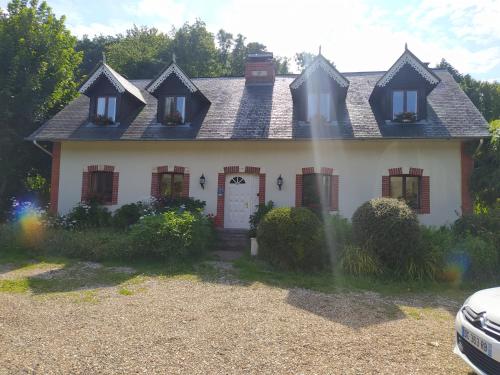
pixel 38 75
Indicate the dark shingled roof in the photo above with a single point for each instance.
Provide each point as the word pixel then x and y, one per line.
pixel 266 112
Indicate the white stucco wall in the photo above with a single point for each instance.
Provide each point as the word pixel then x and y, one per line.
pixel 360 165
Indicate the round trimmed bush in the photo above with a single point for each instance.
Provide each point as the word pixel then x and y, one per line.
pixel 388 228
pixel 292 239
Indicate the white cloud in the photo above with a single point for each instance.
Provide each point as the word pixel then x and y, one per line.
pixel 360 36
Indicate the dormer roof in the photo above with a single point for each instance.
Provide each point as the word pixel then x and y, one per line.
pixel 408 58
pixel 320 62
pixel 119 82
pixel 173 68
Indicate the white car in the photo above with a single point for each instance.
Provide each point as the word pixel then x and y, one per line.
pixel 478 332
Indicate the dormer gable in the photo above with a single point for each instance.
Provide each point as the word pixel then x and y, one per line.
pixel 400 95
pixel 171 69
pixel 320 62
pixel 319 92
pixel 179 100
pixel 113 99
pixel 121 84
pixel 408 60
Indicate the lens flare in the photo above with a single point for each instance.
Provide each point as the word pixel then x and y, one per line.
pixel 30 221
pixel 456 266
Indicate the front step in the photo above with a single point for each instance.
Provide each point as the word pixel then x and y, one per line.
pixel 233 239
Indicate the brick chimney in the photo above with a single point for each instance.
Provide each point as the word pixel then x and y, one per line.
pixel 260 69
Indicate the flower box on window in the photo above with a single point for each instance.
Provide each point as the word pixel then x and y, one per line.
pixel 102 120
pixel 406 117
pixel 174 118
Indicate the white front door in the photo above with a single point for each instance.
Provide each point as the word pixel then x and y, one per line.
pixel 241 198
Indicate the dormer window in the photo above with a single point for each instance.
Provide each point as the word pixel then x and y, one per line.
pixel 175 110
pixel 319 107
pixel 105 110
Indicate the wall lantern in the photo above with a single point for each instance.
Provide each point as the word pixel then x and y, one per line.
pixel 202 181
pixel 279 182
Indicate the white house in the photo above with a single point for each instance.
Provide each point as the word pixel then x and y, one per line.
pixel 319 138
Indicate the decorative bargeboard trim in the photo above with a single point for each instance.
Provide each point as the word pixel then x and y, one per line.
pixel 319 62
pixel 407 58
pixel 172 69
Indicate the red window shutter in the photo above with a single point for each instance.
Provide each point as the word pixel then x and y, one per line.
pixel 155 185
pixel 85 186
pixel 425 196
pixel 114 197
pixel 386 186
pixel 334 200
pixel 185 185
pixel 262 188
pixel 298 190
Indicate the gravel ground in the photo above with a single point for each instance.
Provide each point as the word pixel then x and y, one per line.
pixel 176 326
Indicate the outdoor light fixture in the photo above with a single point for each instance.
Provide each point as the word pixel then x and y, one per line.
pixel 279 182
pixel 202 181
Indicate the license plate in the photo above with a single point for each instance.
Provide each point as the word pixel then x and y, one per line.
pixel 477 341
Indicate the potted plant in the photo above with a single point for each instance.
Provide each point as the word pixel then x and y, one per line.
pixel 406 117
pixel 174 118
pixel 255 218
pixel 102 120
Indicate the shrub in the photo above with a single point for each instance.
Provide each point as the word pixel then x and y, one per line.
pixel 477 257
pixel 91 215
pixel 484 224
pixel 255 218
pixel 173 234
pixel 292 238
pixel 174 204
pixel 129 214
pixel 339 232
pixel 358 261
pixel 89 244
pixel 390 229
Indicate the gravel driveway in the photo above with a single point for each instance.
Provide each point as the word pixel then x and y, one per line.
pixel 183 326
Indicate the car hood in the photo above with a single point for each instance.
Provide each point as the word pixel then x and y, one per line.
pixel 487 300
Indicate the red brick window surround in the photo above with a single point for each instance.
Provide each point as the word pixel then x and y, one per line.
pixel 170 182
pixel 221 185
pixel 100 182
pixel 324 176
pixel 54 178
pixel 413 187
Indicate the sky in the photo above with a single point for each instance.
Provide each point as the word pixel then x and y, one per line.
pixel 357 35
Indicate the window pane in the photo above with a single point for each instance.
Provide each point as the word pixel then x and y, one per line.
pixel 169 105
pixel 112 108
pixel 316 191
pixel 412 191
pixel 101 106
pixel 177 188
pixel 397 187
pixel 411 101
pixel 171 185
pixel 166 185
pixel 324 106
pixel 397 103
pixel 181 106
pixel 101 186
pixel 312 106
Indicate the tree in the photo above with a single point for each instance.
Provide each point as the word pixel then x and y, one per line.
pixel 238 56
pixel 92 51
pixel 485 180
pixel 282 65
pixel 225 42
pixel 255 47
pixel 303 59
pixel 195 50
pixel 38 70
pixel 137 54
